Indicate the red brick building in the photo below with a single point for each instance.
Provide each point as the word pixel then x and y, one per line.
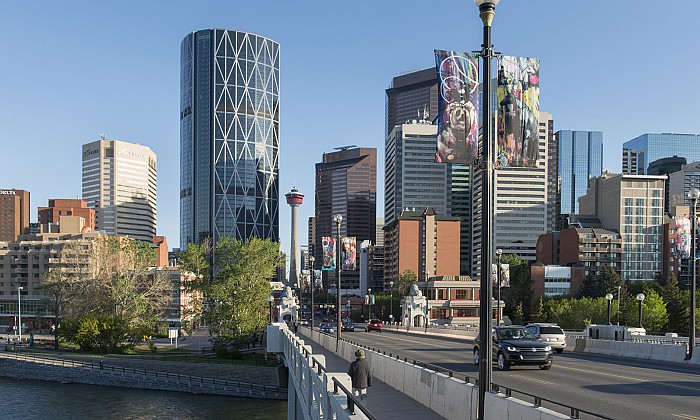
pixel 423 242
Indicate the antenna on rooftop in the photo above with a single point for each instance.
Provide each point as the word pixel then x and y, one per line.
pixel 103 136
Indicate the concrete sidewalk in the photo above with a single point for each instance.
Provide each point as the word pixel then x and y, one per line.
pixel 382 400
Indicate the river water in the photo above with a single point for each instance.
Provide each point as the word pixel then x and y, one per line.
pixel 53 400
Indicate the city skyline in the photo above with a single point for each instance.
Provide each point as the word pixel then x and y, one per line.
pixel 90 78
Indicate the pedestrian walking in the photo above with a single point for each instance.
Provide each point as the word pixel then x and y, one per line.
pixel 361 375
pixel 102 364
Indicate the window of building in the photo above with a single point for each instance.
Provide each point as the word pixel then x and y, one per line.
pixel 460 294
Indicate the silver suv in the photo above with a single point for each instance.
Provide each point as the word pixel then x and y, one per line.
pixel 551 334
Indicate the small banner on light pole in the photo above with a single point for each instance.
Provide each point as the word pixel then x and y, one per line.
pixel 683 237
pixel 458 107
pixel 328 253
pixel 518 111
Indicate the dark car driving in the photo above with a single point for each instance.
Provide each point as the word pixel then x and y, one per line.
pixel 348 326
pixel 515 345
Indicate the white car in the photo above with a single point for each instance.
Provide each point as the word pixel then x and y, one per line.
pixel 551 334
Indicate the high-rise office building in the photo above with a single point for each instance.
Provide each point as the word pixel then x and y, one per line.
pixel 229 136
pixel 553 193
pixel 639 152
pixel 14 214
pixel 409 95
pixel 520 213
pixel 412 178
pixel 632 205
pixel 580 159
pixel 346 184
pixel 666 166
pixel 119 183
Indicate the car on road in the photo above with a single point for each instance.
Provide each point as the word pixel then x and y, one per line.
pixel 348 326
pixel 551 334
pixel 373 324
pixel 326 327
pixel 515 345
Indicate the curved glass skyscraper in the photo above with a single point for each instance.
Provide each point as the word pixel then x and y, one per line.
pixel 229 136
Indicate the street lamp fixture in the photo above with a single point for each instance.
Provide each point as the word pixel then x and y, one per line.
pixel 499 252
pixel 487 11
pixel 338 219
pixel 640 299
pixel 312 259
pixel 609 297
pixel 693 195
pixel 19 310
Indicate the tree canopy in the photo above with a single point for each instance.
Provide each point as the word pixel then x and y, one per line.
pixel 233 280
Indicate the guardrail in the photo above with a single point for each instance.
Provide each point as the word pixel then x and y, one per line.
pixel 536 400
pixel 202 381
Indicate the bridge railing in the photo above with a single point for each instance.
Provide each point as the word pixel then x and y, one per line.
pixel 246 387
pixel 321 394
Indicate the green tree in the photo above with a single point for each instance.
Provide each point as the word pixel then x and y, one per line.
pixel 520 293
pixel 654 315
pixel 235 296
pixel 404 283
pixel 112 280
pixel 678 311
pixel 538 314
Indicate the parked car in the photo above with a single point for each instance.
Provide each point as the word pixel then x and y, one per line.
pixel 515 345
pixel 373 324
pixel 348 326
pixel 551 334
pixel 326 327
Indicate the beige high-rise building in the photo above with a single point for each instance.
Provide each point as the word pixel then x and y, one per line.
pixel 119 182
pixel 633 205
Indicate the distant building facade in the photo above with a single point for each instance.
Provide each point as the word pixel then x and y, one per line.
pixel 120 184
pixel 423 242
pixel 14 214
pixel 346 184
pixel 412 178
pixel 639 152
pixel 229 136
pixel 632 205
pixel 59 207
pixel 409 96
pixel 580 159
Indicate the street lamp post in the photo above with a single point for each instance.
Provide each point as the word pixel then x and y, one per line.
pixel 427 306
pixel 693 194
pixel 618 304
pixel 487 11
pixel 499 252
pixel 391 301
pixel 19 310
pixel 312 259
pixel 640 299
pixel 338 219
pixel 609 297
pixel 369 303
pixel 272 300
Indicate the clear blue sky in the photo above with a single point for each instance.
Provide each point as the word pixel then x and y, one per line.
pixel 71 70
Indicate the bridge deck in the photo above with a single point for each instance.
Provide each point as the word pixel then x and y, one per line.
pixel 382 400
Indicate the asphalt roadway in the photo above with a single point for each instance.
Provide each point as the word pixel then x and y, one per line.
pixel 616 387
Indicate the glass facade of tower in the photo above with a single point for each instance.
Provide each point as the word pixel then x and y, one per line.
pixel 409 96
pixel 580 159
pixel 639 152
pixel 229 136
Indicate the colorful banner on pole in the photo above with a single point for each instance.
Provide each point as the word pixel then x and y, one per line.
pixel 349 254
pixel 328 244
pixel 458 107
pixel 518 111
pixel 683 237
pixel 505 275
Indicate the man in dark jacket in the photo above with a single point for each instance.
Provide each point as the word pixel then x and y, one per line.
pixel 361 375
